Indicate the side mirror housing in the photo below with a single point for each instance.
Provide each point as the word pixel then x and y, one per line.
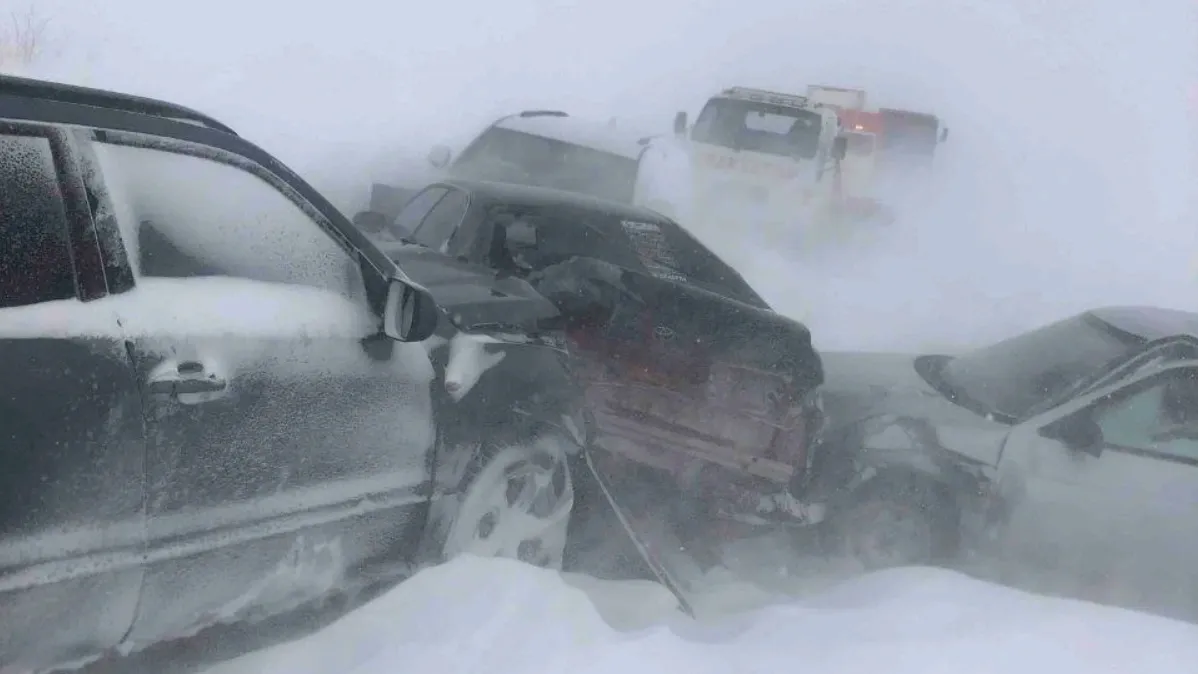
pixel 439 156
pixel 840 147
pixel 410 314
pixel 1078 432
pixel 943 134
pixel 680 123
pixel 370 222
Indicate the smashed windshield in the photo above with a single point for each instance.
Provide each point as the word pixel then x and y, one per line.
pixel 504 155
pixel 759 127
pixel 1017 376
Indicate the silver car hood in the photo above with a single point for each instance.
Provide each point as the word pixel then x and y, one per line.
pixel 883 395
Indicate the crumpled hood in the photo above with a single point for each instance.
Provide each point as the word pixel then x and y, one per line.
pixel 877 391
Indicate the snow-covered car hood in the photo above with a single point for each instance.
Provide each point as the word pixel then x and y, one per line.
pixel 885 398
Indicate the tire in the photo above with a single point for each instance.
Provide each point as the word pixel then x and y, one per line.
pixel 518 504
pixel 891 525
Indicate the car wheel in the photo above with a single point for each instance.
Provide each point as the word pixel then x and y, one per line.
pixel 518 504
pixel 887 528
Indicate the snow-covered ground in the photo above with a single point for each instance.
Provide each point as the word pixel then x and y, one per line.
pixel 1068 182
pixel 473 616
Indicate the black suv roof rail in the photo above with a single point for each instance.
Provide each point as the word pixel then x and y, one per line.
pixel 543 113
pixel 69 93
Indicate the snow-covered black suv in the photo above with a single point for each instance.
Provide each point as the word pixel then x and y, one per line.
pixel 217 401
pixel 694 387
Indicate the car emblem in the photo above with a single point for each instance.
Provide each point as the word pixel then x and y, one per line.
pixel 662 332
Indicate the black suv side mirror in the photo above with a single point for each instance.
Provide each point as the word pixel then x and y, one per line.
pixel 1078 432
pixel 410 314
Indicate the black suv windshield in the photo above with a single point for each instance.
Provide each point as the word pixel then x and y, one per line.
pixel 1016 377
pixel 504 155
pixel 758 127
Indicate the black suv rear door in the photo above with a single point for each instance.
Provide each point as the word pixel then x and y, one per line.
pixel 72 442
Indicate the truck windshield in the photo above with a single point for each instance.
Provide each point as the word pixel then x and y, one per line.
pixel 504 155
pixel 1017 376
pixel 759 127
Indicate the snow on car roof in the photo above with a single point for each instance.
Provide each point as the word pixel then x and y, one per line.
pixel 587 133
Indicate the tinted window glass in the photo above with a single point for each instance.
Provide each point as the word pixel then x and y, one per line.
pixel 35 260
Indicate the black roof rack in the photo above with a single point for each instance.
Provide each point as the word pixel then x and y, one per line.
pixel 543 113
pixel 69 93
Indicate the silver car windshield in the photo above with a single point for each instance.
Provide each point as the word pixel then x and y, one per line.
pixel 1017 376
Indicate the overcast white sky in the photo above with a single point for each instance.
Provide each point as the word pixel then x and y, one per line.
pixel 1067 182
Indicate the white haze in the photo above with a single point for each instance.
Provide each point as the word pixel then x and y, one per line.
pixel 1067 182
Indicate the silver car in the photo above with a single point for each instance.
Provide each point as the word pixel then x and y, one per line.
pixel 1065 458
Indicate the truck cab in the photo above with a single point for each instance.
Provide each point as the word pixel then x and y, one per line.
pixel 762 152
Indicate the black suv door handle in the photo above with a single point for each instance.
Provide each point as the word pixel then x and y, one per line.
pixel 189 377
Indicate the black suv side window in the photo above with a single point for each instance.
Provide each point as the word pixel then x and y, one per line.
pixel 35 259
pixel 188 211
pixel 442 222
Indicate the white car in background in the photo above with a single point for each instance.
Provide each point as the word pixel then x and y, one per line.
pixel 540 148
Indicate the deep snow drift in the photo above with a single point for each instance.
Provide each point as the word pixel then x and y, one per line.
pixel 486 616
